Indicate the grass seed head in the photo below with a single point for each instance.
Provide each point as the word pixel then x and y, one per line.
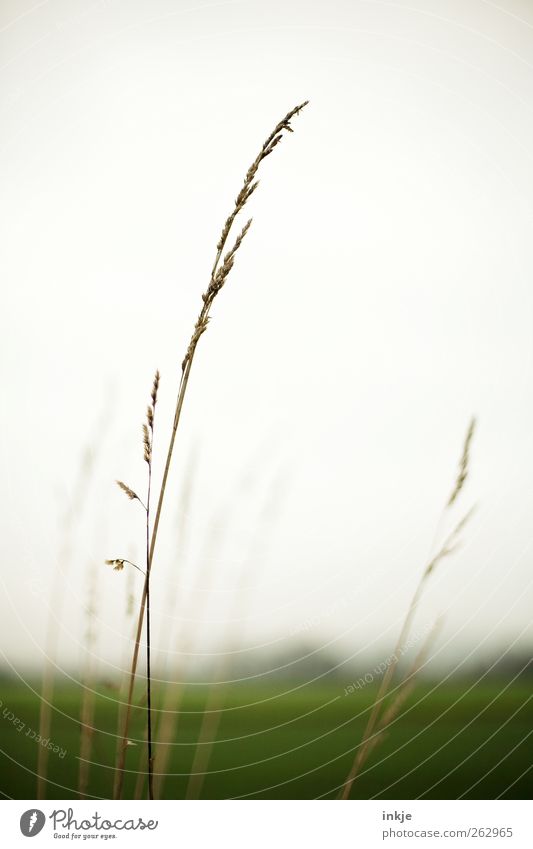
pixel 147 444
pixel 127 491
pixel 464 463
pixel 117 564
pixel 155 388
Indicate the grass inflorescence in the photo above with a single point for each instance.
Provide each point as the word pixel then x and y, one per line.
pixel 220 272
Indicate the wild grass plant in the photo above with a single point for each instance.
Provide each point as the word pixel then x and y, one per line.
pixel 220 272
pixel 382 715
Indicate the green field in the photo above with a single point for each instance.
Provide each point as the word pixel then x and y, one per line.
pixel 292 741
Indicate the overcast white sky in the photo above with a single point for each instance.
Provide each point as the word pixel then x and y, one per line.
pixel 382 296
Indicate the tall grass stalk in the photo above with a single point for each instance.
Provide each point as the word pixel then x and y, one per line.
pixel 220 271
pixel 148 454
pixel 448 547
pixel 172 597
pixel 119 563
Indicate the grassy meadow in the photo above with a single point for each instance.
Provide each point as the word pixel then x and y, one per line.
pixel 288 741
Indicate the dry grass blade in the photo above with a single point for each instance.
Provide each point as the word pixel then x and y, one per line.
pixel 148 431
pixel 213 711
pixel 218 278
pixel 448 547
pixel 403 691
pixel 118 565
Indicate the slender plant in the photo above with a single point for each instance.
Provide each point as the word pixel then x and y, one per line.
pixel 403 690
pixel 220 271
pixel 119 563
pixel 450 544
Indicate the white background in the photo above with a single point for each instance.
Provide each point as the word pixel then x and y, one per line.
pixel 381 298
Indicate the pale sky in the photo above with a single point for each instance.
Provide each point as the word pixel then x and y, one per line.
pixel 383 296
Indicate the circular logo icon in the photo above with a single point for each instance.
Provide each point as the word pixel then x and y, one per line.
pixel 32 822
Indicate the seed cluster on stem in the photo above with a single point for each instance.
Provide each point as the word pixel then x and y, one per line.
pixel 118 564
pixel 221 269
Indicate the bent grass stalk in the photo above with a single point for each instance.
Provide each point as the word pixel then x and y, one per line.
pixel 449 546
pixel 219 275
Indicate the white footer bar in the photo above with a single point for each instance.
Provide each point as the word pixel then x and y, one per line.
pixel 268 824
